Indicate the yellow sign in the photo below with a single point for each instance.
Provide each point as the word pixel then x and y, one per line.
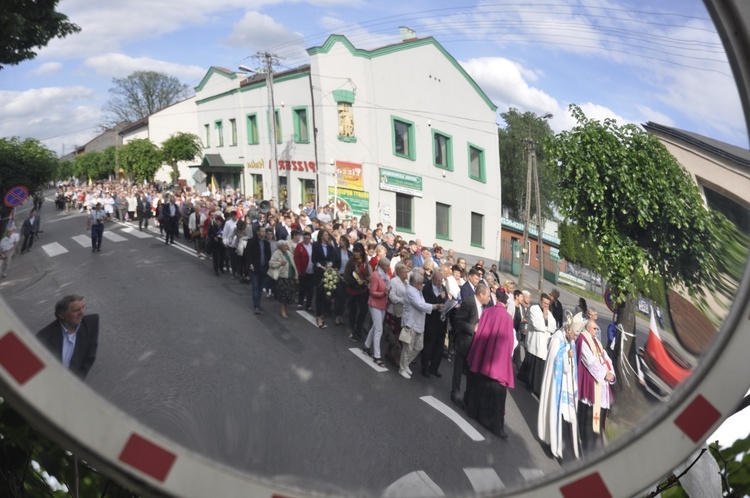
pixel 349 175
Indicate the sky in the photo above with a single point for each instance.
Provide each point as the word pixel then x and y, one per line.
pixel 634 61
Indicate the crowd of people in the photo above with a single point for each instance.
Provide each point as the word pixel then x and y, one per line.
pixel 423 304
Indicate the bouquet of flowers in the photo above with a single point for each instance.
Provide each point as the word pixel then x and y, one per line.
pixel 330 280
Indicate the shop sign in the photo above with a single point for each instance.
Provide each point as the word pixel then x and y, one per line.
pixel 284 165
pixel 257 164
pixel 349 175
pixel 402 183
pixel 349 202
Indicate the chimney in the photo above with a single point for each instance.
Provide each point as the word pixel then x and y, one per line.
pixel 407 34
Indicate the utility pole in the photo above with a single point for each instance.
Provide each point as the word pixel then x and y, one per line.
pixel 532 172
pixel 275 183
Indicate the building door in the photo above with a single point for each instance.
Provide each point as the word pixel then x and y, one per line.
pixel 257 186
pixel 307 191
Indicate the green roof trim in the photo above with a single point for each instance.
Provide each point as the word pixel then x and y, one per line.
pixel 343 96
pixel 389 49
pixel 211 72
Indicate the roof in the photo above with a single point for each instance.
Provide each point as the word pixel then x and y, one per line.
pixel 731 152
pixel 397 47
pixel 141 123
pixel 215 70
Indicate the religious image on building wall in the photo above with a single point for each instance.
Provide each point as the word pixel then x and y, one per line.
pixel 346 119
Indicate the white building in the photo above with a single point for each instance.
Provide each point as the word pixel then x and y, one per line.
pixel 401 132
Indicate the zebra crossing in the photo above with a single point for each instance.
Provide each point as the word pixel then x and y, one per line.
pixel 116 234
pixel 483 480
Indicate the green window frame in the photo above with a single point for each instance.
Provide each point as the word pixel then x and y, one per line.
pixel 402 132
pixel 219 126
pixel 279 135
pixel 301 126
pixel 442 221
pixel 405 213
pixel 442 150
pixel 477 229
pixel 252 129
pixel 233 127
pixel 477 170
pixel 207 141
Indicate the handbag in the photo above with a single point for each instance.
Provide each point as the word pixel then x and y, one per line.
pixel 406 335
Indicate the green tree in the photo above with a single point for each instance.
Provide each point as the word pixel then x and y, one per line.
pixel 646 217
pixel 26 25
pixel 142 94
pixel 140 159
pixel 519 127
pixel 21 446
pixel 181 147
pixel 92 166
pixel 26 163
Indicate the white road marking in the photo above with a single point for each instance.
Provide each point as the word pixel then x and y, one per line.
pixel 114 237
pixel 484 480
pixel 413 485
pixel 455 417
pixel 136 233
pixel 307 316
pixel 84 240
pixel 367 359
pixel 530 474
pixel 54 249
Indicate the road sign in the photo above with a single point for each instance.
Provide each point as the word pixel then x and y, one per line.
pixel 15 196
pixel 609 301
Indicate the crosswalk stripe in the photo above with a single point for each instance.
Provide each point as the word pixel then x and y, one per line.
pixel 84 240
pixel 413 485
pixel 530 474
pixel 484 480
pixel 454 417
pixel 366 358
pixel 54 249
pixel 136 233
pixel 307 316
pixel 114 237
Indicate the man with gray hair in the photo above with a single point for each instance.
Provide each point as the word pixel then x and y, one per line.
pixel 72 338
pixel 412 331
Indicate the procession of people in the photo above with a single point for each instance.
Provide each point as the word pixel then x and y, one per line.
pixel 409 303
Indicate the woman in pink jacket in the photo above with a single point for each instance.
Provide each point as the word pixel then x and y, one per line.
pixel 377 303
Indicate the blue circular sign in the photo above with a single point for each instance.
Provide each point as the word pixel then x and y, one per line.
pixel 15 196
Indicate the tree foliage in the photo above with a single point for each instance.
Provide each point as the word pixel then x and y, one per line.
pixel 646 216
pixel 26 25
pixel 21 446
pixel 181 147
pixel 26 163
pixel 94 165
pixel 513 162
pixel 140 159
pixel 142 94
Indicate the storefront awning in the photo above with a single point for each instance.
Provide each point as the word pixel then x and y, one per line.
pixel 214 163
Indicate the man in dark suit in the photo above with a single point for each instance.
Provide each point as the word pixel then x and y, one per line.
pixel 29 229
pixel 434 328
pixel 260 254
pixel 467 318
pixel 467 289
pixel 170 213
pixel 73 338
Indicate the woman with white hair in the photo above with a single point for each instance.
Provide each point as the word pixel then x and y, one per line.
pixel 412 330
pixel 281 268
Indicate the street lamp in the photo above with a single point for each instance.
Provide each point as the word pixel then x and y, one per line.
pixel 532 171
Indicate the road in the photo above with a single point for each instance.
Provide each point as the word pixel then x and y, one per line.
pixel 182 352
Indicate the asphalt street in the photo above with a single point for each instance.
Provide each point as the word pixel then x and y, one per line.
pixel 181 351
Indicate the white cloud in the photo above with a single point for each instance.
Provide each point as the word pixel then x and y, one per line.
pixel 48 68
pixel 259 32
pixel 649 114
pixel 120 65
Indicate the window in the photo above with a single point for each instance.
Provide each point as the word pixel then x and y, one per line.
pixel 252 129
pixel 442 221
pixel 233 125
pixel 476 164
pixel 301 134
pixel 404 212
pixel 278 126
pixel 477 229
pixel 442 150
pixel 207 141
pixel 403 138
pixel 219 133
pixel 344 102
